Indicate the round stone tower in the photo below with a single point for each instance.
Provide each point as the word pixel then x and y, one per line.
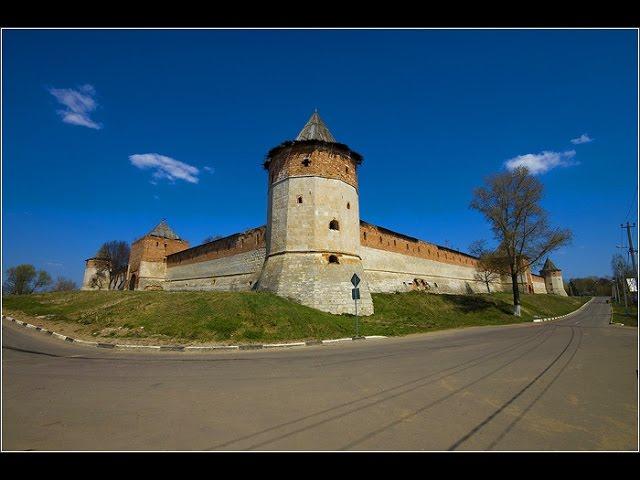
pixel 96 274
pixel 553 278
pixel 313 222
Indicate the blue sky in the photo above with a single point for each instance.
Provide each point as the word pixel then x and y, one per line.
pixel 105 132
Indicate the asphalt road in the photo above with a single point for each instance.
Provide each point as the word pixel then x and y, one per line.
pixel 570 384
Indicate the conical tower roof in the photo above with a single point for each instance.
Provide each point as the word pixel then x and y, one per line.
pixel 549 266
pixel 315 129
pixel 164 230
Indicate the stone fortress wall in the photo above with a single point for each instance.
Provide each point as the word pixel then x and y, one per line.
pixel 392 262
pixel 313 242
pixel 396 262
pixel 232 263
pixel 538 284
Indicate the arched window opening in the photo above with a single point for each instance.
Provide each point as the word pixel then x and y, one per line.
pixel 348 206
pixel 300 199
pixel 364 234
pixel 333 259
pixel 346 169
pixel 334 225
pixel 306 162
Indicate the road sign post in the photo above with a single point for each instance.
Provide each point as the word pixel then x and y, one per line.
pixel 355 295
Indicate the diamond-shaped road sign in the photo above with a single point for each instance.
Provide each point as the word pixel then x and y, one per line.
pixel 355 280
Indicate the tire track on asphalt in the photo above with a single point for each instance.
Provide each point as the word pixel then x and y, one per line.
pixel 461 367
pixel 446 397
pixel 538 397
pixel 497 412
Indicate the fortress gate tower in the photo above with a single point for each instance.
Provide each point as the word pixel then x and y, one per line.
pixel 313 222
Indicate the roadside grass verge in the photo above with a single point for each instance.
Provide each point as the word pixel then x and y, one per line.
pixel 244 317
pixel 619 316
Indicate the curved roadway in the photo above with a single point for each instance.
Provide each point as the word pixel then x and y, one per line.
pixel 563 385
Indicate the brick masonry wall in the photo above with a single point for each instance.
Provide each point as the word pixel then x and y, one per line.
pixel 153 249
pixel 382 239
pixel 322 163
pixel 246 241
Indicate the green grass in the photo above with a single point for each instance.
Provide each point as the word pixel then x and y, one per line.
pixel 619 316
pixel 245 317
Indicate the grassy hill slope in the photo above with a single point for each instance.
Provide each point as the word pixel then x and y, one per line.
pixel 243 317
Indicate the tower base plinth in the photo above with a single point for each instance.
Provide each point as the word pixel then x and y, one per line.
pixel 309 279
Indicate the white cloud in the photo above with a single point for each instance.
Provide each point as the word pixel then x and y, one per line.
pixel 165 167
pixel 209 169
pixel 78 105
pixel 542 162
pixel 584 138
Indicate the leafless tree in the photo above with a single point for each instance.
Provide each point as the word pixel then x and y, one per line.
pixel 99 279
pixel 490 264
pixel 510 201
pixel 211 238
pixel 117 254
pixel 63 284
pixel 622 270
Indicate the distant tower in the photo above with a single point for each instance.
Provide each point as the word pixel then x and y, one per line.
pixel 96 274
pixel 313 222
pixel 148 258
pixel 553 278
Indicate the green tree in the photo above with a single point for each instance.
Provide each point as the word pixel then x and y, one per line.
pixel 510 201
pixel 24 279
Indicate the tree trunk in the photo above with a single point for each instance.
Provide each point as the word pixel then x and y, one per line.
pixel 516 294
pixel 488 289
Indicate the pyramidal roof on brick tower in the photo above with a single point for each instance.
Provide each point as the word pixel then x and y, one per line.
pixel 549 266
pixel 164 230
pixel 315 129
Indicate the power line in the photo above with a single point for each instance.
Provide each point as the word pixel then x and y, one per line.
pixel 634 203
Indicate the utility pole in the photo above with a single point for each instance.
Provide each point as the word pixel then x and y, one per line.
pixel 624 293
pixel 632 252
